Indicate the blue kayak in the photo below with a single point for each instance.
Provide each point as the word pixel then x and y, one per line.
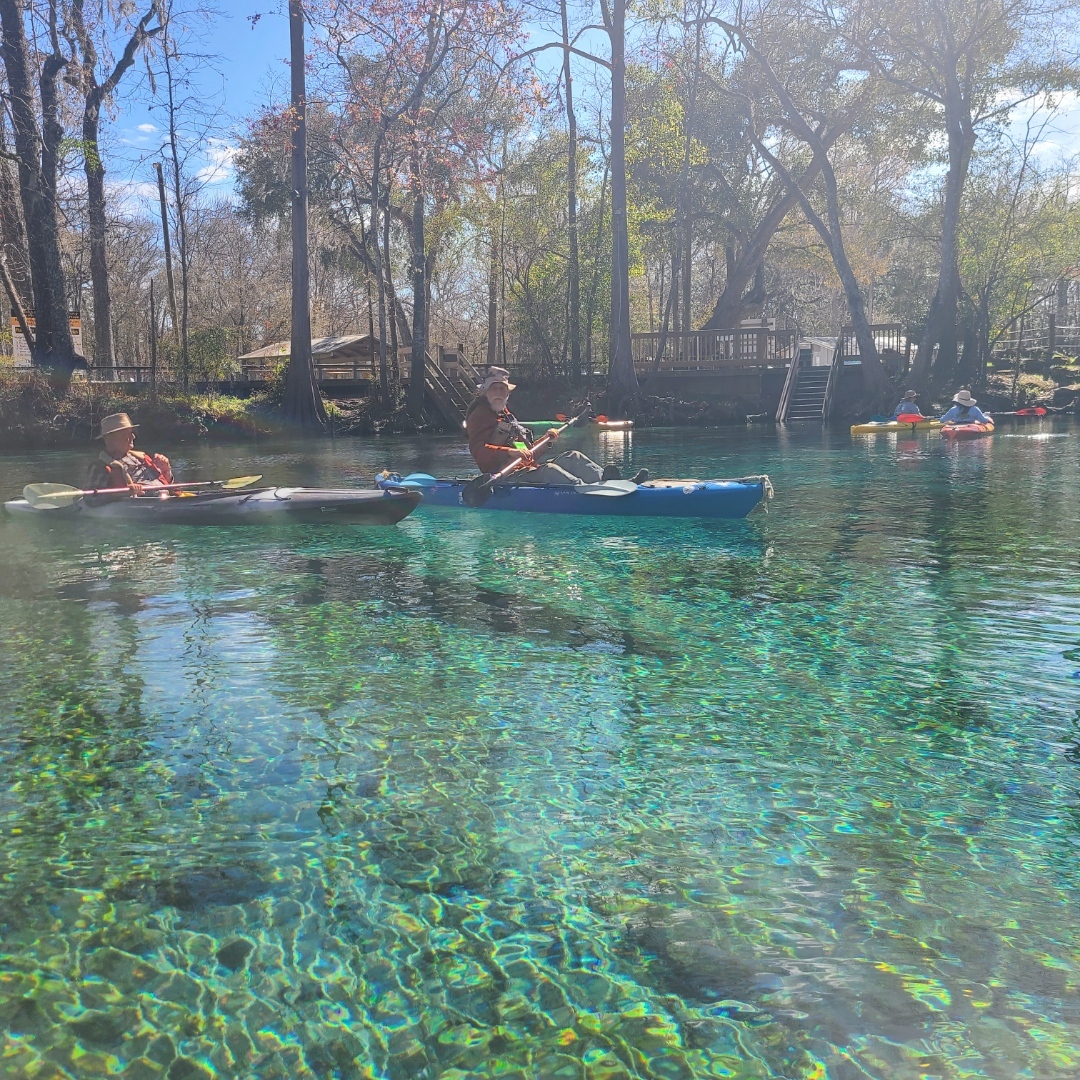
pixel 655 498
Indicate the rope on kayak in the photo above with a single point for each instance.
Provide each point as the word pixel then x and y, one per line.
pixel 766 486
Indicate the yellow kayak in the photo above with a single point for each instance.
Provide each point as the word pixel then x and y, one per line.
pixel 885 426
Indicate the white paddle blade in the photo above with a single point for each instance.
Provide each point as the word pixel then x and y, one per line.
pixel 49 496
pixel 610 488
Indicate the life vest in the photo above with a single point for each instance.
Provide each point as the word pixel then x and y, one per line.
pixel 140 471
pixel 509 432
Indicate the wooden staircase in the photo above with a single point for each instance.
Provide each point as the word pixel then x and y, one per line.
pixel 450 393
pixel 808 396
pixel 808 390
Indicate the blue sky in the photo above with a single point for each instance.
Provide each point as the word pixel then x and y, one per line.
pixel 245 64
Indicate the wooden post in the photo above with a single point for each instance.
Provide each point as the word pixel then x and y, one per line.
pixel 1051 335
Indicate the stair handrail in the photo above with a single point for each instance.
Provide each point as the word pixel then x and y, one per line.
pixel 830 386
pixel 449 401
pixel 465 365
pixel 790 380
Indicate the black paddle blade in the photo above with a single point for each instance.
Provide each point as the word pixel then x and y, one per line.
pixel 477 492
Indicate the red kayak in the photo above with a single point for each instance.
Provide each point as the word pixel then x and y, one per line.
pixel 967 431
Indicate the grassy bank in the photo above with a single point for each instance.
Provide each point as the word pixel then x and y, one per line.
pixel 33 415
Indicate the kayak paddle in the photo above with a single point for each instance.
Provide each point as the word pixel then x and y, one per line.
pixel 55 496
pixel 609 488
pixel 477 492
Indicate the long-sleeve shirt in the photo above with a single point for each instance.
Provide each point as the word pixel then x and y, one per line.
pixel 965 414
pixel 906 408
pixel 492 436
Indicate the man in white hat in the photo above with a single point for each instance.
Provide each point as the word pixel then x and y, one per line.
pixel 964 410
pixel 908 406
pixel 121 465
pixel 497 438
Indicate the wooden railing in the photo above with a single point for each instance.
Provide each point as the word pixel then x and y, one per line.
pixel 714 350
pixel 790 380
pixel 834 376
pixel 894 347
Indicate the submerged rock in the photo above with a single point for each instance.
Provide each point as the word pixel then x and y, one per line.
pixel 104 1029
pixel 233 954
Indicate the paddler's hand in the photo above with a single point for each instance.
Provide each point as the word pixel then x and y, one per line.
pixel 134 490
pixel 161 463
pixel 528 459
pixel 553 434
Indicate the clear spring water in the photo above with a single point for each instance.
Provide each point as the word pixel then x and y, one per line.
pixel 500 796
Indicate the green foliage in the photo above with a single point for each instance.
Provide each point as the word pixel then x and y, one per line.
pixel 211 355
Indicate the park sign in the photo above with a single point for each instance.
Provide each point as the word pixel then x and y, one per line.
pixel 20 347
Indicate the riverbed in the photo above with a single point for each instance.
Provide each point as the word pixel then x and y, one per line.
pixel 496 795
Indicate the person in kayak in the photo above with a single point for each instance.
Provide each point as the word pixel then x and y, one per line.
pixel 497 438
pixel 121 465
pixel 908 406
pixel 964 410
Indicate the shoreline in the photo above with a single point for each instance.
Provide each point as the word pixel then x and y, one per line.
pixel 34 417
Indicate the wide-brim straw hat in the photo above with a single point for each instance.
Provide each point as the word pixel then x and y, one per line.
pixel 494 376
pixel 963 397
pixel 116 422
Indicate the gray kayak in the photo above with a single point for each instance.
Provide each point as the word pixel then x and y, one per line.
pixel 262 506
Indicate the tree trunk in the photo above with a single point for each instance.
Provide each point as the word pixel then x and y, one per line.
pixel 302 405
pixel 168 251
pixel 493 305
pixel 941 324
pixel 397 318
pixel 94 95
pixel 415 405
pixel 104 355
pixel 621 375
pixel 380 272
pixel 730 307
pixel 38 156
pixel 594 283
pixel 181 215
pixel 12 233
pixel 573 268
pixel 153 342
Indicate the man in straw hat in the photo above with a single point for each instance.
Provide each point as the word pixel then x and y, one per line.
pixel 497 438
pixel 964 410
pixel 121 465
pixel 908 406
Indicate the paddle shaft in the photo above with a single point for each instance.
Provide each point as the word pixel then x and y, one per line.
pixel 540 443
pixel 163 487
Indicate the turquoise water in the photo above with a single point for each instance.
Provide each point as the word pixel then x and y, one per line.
pixel 489 796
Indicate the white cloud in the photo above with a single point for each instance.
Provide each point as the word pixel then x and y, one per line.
pixel 147 128
pixel 219 162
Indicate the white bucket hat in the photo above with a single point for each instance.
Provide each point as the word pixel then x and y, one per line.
pixel 496 375
pixel 963 397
